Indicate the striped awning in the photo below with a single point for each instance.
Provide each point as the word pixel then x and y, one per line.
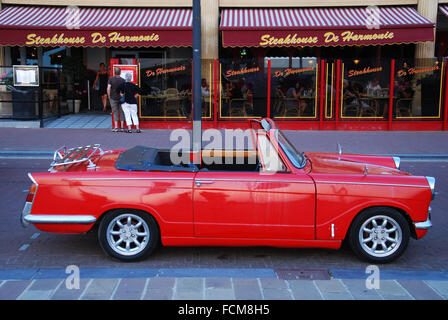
pixel 324 26
pixel 444 9
pixel 73 26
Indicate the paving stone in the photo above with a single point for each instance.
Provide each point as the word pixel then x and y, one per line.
pixel 64 293
pixel 419 290
pixel 359 291
pixel 273 284
pixel 277 294
pixel 441 287
pixel 45 284
pixel 219 294
pixel 219 283
pixel 333 290
pixel 246 289
pixel 189 289
pixel 392 290
pixel 41 289
pixel 11 289
pixel 100 289
pixel 159 289
pixel 130 289
pixel 304 290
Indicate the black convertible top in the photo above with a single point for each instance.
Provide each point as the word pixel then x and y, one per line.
pixel 142 158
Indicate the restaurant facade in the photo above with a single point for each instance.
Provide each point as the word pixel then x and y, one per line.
pixel 319 66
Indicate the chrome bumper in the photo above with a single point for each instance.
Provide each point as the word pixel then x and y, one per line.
pixel 425 224
pixel 28 218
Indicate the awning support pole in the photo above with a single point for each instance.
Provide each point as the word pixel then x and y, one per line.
pixel 197 94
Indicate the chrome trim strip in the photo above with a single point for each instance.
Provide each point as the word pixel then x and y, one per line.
pixel 258 180
pixel 213 179
pixel 25 212
pixel 397 161
pixel 31 178
pixel 432 185
pixel 423 225
pixel 111 178
pixel 78 219
pixel 28 205
pixel 373 184
pixel 426 224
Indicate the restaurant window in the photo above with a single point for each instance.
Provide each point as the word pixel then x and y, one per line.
pixel 293 87
pixel 418 89
pixel 243 89
pixel 53 56
pixel 365 89
pixel 166 84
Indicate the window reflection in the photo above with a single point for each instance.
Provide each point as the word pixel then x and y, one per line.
pixel 294 90
pixel 417 89
pixel 167 88
pixel 365 89
pixel 244 89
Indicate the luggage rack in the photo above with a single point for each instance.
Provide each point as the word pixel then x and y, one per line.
pixel 63 157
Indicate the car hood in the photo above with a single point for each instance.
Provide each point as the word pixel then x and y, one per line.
pixel 331 163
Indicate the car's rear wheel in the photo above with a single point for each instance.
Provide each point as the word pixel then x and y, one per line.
pixel 128 235
pixel 379 235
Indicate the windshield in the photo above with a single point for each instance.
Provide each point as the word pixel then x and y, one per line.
pixel 297 158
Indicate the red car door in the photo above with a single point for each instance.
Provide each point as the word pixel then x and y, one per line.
pixel 253 205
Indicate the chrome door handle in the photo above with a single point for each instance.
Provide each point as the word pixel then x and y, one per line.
pixel 199 182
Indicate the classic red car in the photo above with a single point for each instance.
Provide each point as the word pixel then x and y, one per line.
pixel 271 195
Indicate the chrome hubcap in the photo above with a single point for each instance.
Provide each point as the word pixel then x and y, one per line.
pixel 128 234
pixel 380 236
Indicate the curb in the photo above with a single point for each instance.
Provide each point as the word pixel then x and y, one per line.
pixel 261 273
pixel 26 154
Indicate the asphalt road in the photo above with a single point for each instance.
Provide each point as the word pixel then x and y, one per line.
pixel 29 248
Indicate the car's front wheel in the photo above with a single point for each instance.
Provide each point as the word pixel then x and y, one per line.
pixel 379 235
pixel 128 235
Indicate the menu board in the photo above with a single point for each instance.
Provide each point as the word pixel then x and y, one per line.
pixel 26 76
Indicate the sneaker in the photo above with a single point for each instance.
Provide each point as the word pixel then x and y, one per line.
pixel 138 131
pixel 129 131
pixel 115 130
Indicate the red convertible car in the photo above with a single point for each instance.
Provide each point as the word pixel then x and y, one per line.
pixel 271 195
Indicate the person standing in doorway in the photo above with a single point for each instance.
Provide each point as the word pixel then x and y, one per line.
pixel 102 76
pixel 113 85
pixel 130 92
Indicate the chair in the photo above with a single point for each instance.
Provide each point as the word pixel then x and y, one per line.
pixel 291 110
pixel 171 106
pixel 403 107
pixel 371 109
pixel 280 102
pixel 171 92
pixel 238 110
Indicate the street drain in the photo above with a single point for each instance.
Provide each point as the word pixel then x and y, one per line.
pixel 303 274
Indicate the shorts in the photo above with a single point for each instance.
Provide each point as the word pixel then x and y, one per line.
pixel 117 111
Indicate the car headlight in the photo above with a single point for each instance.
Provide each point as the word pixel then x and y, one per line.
pixel 432 183
pixel 397 161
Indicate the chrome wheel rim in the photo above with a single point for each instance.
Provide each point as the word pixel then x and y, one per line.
pixel 380 236
pixel 128 234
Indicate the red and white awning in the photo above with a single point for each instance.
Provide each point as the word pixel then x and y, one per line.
pixel 57 26
pixel 324 26
pixel 444 9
